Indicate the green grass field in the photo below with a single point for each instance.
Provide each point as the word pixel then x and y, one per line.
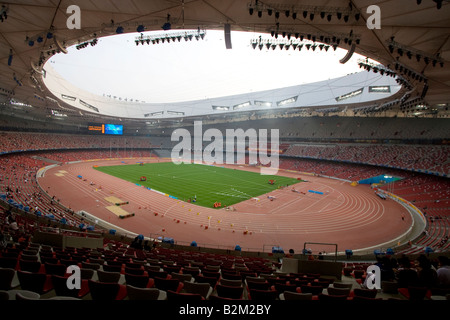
pixel 209 184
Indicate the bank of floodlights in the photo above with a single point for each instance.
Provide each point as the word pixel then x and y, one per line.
pixel 169 37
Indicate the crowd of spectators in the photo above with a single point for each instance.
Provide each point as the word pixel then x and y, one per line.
pixel 354 162
pixel 22 141
pixel 18 185
pixel 421 271
pixel 431 158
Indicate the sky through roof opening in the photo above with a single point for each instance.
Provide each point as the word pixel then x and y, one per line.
pixel 196 69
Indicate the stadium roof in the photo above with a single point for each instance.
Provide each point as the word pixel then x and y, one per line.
pixel 412 41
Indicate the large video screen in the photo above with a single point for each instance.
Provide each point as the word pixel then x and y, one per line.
pixel 113 129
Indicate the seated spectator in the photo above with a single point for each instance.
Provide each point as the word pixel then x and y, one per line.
pixel 443 241
pixel 427 274
pixel 387 266
pixel 405 275
pixel 2 240
pixel 443 272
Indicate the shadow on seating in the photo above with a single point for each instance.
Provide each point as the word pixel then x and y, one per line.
pixel 204 289
pixel 36 282
pixel 104 291
pixel 289 295
pixel 263 295
pixel 183 297
pixel 233 292
pixel 6 278
pixel 135 293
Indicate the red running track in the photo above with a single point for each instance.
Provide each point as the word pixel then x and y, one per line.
pixel 353 217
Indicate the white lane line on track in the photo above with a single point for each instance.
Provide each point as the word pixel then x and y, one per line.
pixel 362 206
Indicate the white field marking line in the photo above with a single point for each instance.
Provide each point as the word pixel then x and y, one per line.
pixel 111 187
pixel 209 182
pixel 247 195
pixel 280 227
pixel 169 209
pixel 137 199
pixel 238 178
pixel 230 195
pixel 185 177
pixel 231 187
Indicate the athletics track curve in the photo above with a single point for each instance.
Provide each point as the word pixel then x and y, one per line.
pixel 353 217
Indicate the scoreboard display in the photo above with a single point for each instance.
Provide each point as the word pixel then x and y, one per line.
pixel 106 128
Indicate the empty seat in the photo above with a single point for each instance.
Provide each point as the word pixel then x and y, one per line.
pixel 30 266
pixel 289 295
pixel 106 276
pixel 342 285
pixel 157 274
pixel 168 284
pixel 368 293
pixel 183 297
pixel 233 292
pixel 315 290
pixel 172 268
pixel 211 274
pixel 258 285
pixel 26 297
pixel 29 257
pixel 36 282
pixel 90 265
pixel 26 293
pixel 133 265
pixel 263 295
pixel 61 288
pixel 98 260
pixel 112 268
pixel 339 291
pixel 212 281
pixel 182 277
pixel 222 299
pixel 103 291
pixel 204 289
pixel 194 271
pixel 86 274
pixel 231 283
pixel 139 281
pixel 58 269
pixel 135 293
pixel 231 276
pixel 6 278
pixel 283 287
